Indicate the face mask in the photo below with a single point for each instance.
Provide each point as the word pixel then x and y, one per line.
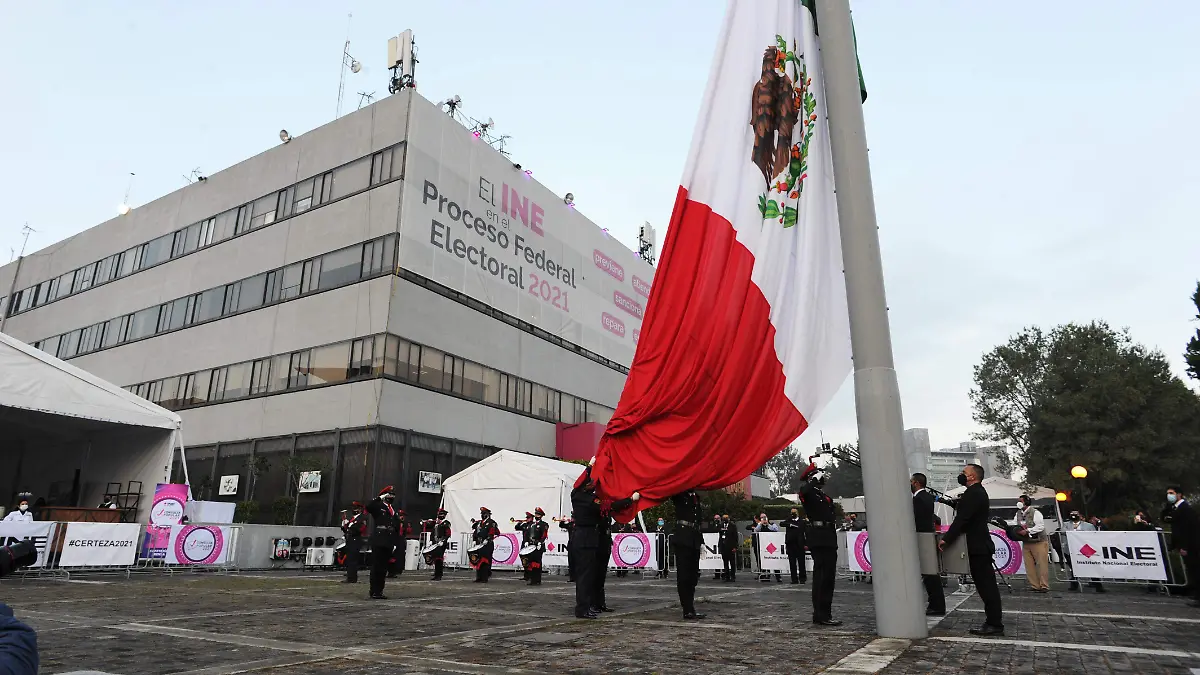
pixel 1075 518
pixel 962 479
pixel 1021 505
pixel 1171 497
pixel 389 498
pixel 660 522
pixel 25 507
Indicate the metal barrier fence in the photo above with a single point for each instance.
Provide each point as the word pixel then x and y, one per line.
pixel 204 547
pixel 1176 573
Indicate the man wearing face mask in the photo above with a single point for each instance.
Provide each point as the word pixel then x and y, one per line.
pixel 385 525
pixel 21 514
pixel 1185 538
pixel 1037 549
pixel 793 539
pixel 971 519
pixel 727 544
pixel 822 543
pixel 660 548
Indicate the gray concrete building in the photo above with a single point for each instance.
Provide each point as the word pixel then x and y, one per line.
pixel 945 464
pixel 384 295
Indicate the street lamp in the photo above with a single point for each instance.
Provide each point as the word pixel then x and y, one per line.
pixel 1079 473
pixel 1060 496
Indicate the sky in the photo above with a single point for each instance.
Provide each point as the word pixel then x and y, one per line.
pixel 1029 168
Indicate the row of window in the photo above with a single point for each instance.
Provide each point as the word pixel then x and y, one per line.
pixel 339 268
pixel 375 356
pixel 361 174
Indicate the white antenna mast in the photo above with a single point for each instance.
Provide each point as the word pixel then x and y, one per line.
pixel 7 309
pixel 348 63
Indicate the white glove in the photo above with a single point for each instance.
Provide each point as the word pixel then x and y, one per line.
pixel 592 462
pixel 637 496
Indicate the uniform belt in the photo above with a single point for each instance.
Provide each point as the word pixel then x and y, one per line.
pixel 685 523
pixel 387 528
pixel 820 523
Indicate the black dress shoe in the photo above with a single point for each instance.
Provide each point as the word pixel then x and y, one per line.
pixel 827 622
pixel 588 615
pixel 347 581
pixel 935 612
pixel 603 608
pixel 379 597
pixel 988 629
pixel 693 616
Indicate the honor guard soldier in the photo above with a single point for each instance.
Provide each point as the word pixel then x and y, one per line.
pixel 568 525
pixel 383 538
pixel 591 523
pixel 540 533
pixel 354 527
pixel 525 527
pixel 821 538
pixel 484 531
pixel 440 533
pixel 686 542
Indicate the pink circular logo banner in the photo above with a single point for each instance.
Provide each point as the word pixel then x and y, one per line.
pixel 1008 553
pixel 631 550
pixel 505 549
pixel 862 550
pixel 199 545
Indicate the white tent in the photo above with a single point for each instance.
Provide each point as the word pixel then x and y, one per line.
pixel 1002 495
pixel 509 483
pixel 68 434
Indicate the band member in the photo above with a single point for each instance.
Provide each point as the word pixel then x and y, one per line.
pixel 822 543
pixel 568 525
pixel 793 539
pixel 660 548
pixel 383 538
pixel 625 528
pixel 686 542
pixel 540 532
pixel 727 544
pixel 525 527
pixel 923 519
pixel 439 533
pixel 403 534
pixel 591 520
pixel 484 530
pixel 971 520
pixel 354 527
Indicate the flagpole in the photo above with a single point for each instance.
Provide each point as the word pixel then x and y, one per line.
pixel 895 569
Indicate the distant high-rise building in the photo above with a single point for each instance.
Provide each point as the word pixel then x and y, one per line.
pixel 945 464
pixel 916 449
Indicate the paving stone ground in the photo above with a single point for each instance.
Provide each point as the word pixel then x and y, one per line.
pixel 290 623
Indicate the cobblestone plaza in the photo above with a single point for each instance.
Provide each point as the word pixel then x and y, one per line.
pixel 293 624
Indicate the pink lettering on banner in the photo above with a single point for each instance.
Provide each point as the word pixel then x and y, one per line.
pixel 641 287
pixel 522 208
pixel 612 267
pixel 612 324
pixel 627 303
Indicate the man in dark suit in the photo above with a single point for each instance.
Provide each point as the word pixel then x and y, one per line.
pixel 923 517
pixel 1185 538
pixel 971 520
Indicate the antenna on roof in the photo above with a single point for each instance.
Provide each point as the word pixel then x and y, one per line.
pixel 402 61
pixel 5 310
pixel 348 63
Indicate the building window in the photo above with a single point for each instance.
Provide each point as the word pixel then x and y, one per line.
pixel 378 256
pixel 473 386
pixel 302 198
pixel 329 364
pixel 157 251
pixel 432 368
pixel 274 284
pixel 260 376
pixel 50 345
pixel 63 288
pixel 280 372
pixel 292 277
pixel 251 292
pixel 242 223
pixel 310 275
pixel 381 167
pixel 114 333
pixel 263 211
pixel 340 267
pixel 326 190
pixel 298 369
pixel 143 323
pixel 362 358
pixel 131 261
pixel 107 269
pixel 351 178
pixel 209 304
pixel 91 338
pixel 233 293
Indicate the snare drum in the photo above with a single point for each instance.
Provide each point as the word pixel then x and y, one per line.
pixel 475 552
pixel 431 551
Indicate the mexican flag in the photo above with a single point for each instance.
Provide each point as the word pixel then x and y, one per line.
pixel 746 336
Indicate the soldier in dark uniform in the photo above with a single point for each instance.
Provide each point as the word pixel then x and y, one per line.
pixel 686 542
pixel 568 526
pixel 383 538
pixel 354 527
pixel 439 532
pixel 822 543
pixel 484 530
pixel 539 533
pixel 525 527
pixel 727 544
pixel 592 521
pixel 793 539
pixel 403 533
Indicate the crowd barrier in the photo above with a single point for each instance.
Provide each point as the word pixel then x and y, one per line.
pixel 630 551
pixel 123 548
pixel 1118 557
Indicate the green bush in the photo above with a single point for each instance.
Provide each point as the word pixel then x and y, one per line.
pixel 283 508
pixel 244 512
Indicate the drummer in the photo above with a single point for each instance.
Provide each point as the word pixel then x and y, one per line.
pixel 439 539
pixel 538 533
pixel 484 531
pixel 525 527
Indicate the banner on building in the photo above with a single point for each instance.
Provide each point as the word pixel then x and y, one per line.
pixel 198 545
pixel 1117 555
pixel 772 551
pixel 36 533
pixel 310 481
pixel 633 550
pixel 99 544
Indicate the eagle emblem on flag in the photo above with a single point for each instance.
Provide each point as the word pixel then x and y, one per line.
pixel 782 118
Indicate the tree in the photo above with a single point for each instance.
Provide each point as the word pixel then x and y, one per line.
pixel 1192 355
pixel 784 470
pixel 1090 395
pixel 845 475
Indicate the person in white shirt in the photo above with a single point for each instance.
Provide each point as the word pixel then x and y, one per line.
pixel 1036 546
pixel 21 515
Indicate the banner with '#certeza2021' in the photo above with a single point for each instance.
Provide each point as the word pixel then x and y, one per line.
pixel 472 221
pixel 1117 555
pixel 99 544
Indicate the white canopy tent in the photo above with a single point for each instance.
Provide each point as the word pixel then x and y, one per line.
pixel 1002 495
pixel 68 434
pixel 509 483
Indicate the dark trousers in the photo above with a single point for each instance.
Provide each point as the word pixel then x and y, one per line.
pixel 585 579
pixel 572 567
pixel 933 590
pixel 381 554
pixel 687 575
pixel 535 569
pixel 353 559
pixel 797 564
pixel 824 574
pixel 397 562
pixel 600 555
pixel 1191 563
pixel 729 564
pixel 983 575
pixel 484 571
pixel 437 568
